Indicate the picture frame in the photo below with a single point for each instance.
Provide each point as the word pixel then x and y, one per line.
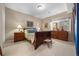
pixel 29 24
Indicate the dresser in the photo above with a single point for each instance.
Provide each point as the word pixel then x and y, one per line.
pixel 19 36
pixel 61 35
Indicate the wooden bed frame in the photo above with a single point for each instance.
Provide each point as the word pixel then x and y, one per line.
pixel 40 37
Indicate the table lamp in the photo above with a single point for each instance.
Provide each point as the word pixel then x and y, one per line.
pixel 19 28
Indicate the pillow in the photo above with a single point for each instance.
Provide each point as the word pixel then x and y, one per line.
pixel 26 33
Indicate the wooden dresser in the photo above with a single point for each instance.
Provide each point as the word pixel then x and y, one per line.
pixel 61 35
pixel 19 36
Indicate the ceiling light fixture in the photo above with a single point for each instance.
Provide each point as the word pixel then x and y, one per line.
pixel 40 6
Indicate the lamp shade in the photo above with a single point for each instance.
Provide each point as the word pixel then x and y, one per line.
pixel 19 26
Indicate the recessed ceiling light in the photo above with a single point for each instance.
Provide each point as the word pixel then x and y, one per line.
pixel 40 6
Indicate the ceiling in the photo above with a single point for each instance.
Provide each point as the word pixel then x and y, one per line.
pixel 49 9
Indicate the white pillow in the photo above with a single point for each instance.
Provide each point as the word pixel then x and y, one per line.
pixel 26 33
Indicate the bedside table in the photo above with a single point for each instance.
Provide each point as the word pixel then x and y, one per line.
pixel 19 36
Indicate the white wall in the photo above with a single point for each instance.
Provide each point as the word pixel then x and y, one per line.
pixel 59 17
pixel 2 24
pixel 14 18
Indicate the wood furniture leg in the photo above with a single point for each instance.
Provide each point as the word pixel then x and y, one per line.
pixel 0 51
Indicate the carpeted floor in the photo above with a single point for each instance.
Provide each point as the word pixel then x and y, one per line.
pixel 24 48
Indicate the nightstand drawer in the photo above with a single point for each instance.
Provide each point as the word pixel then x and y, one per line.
pixel 19 36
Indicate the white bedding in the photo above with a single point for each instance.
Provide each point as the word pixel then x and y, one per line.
pixel 30 36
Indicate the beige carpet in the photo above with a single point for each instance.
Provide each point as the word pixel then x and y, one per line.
pixel 23 48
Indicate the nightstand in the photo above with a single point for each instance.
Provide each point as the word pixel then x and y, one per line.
pixel 19 36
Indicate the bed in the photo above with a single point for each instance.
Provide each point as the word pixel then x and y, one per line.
pixel 37 38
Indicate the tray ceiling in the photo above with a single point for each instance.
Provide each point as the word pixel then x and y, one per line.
pixel 41 10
